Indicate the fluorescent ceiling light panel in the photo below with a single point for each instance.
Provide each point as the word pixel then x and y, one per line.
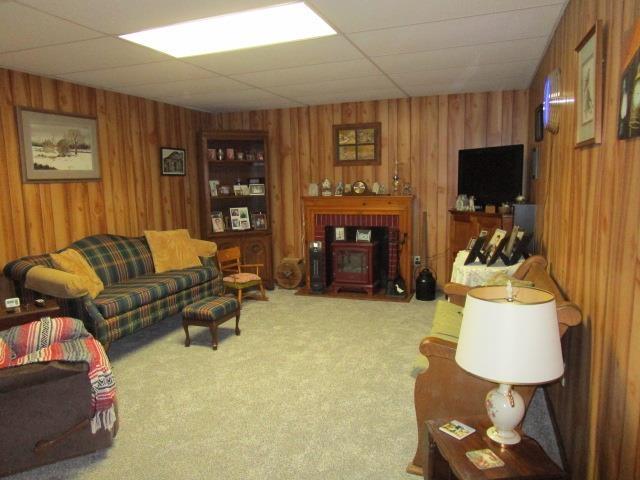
pixel 235 31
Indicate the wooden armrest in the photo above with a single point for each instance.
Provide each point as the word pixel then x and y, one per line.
pixel 437 347
pixel 456 292
pixel 569 314
pixel 252 265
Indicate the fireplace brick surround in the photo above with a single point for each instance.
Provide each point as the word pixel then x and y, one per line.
pixel 393 212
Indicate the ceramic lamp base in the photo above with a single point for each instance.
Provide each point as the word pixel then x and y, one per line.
pixel 505 407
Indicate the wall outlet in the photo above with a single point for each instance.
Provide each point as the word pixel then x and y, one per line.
pixel 416 260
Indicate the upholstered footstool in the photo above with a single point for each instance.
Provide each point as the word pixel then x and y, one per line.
pixel 210 312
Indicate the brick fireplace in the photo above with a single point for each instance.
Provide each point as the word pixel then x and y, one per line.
pixel 392 212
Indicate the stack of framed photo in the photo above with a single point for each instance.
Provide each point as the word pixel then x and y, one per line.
pixel 475 248
pixel 517 246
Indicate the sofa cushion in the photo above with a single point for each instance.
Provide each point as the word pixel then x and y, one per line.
pixel 72 261
pixel 447 321
pixel 131 294
pixel 115 258
pixel 55 283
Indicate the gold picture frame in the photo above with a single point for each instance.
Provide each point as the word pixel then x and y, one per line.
pixel 356 144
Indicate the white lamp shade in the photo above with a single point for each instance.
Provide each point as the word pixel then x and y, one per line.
pixel 513 342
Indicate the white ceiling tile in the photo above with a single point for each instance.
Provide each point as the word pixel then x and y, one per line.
pixel 471 72
pixel 355 85
pixel 321 99
pixel 184 88
pixel 530 48
pixel 466 86
pixel 23 27
pixel 286 55
pixel 360 15
pixel 534 22
pixel 171 70
pixel 127 16
pixel 103 52
pixel 310 73
pixel 244 100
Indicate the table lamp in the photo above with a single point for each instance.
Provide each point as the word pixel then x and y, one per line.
pixel 510 336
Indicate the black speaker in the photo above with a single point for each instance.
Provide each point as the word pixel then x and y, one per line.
pixel 317 268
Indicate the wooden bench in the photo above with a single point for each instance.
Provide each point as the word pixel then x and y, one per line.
pixel 444 390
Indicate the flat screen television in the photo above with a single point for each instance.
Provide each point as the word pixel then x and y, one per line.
pixel 492 175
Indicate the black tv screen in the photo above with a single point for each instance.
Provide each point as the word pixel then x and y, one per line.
pixel 492 175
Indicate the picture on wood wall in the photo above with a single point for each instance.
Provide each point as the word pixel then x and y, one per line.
pixel 57 147
pixel 173 161
pixel 589 89
pixel 629 117
pixel 357 144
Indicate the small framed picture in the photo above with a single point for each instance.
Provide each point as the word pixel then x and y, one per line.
pixel 237 190
pixel 589 92
pixel 213 187
pixel 363 235
pixel 256 189
pixel 259 221
pixel 217 222
pixel 224 190
pixel 239 218
pixel 339 232
pixel 230 154
pixel 173 161
pixel 245 190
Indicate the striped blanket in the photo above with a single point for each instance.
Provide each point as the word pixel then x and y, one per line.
pixel 65 339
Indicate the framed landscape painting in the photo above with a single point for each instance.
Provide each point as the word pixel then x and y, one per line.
pixel 57 147
pixel 173 161
pixel 357 144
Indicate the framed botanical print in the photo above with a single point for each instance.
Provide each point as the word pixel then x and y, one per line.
pixel 57 147
pixel 589 87
pixel 357 144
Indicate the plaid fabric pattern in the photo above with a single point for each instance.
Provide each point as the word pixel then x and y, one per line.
pixel 115 258
pixel 110 329
pixel 65 339
pixel 210 309
pixel 134 296
pixel 131 294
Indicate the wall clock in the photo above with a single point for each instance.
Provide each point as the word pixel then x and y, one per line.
pixel 550 107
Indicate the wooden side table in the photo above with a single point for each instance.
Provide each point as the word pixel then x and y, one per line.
pixel 28 313
pixel 446 455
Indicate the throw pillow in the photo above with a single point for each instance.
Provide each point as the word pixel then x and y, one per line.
pixel 6 355
pixel 72 261
pixel 171 250
pixel 204 248
pixel 500 279
pixel 55 283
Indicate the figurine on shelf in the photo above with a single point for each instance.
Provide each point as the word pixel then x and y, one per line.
pixel 382 190
pixel 406 189
pixel 260 156
pixel 240 156
pixel 313 190
pixel 396 184
pixel 326 188
pixel 339 189
pixel 230 154
pixel 347 189
pixel 375 188
pixel 220 154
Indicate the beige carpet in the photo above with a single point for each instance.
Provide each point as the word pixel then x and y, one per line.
pixel 314 388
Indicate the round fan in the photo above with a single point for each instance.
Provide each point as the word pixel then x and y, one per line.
pixel 290 272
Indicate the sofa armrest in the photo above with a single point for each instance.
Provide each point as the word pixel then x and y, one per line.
pixel 529 263
pixel 24 376
pixel 55 283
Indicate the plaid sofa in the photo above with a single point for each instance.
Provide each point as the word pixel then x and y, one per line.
pixel 134 296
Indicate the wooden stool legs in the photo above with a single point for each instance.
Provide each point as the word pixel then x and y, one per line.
pixel 213 327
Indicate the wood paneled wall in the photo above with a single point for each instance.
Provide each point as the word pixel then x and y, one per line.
pixel 589 226
pixel 423 135
pixel 131 196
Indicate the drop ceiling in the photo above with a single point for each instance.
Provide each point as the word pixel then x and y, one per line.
pixel 383 49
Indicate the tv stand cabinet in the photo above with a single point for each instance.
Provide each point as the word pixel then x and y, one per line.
pixel 464 225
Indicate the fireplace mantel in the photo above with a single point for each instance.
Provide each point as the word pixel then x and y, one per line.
pixel 395 212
